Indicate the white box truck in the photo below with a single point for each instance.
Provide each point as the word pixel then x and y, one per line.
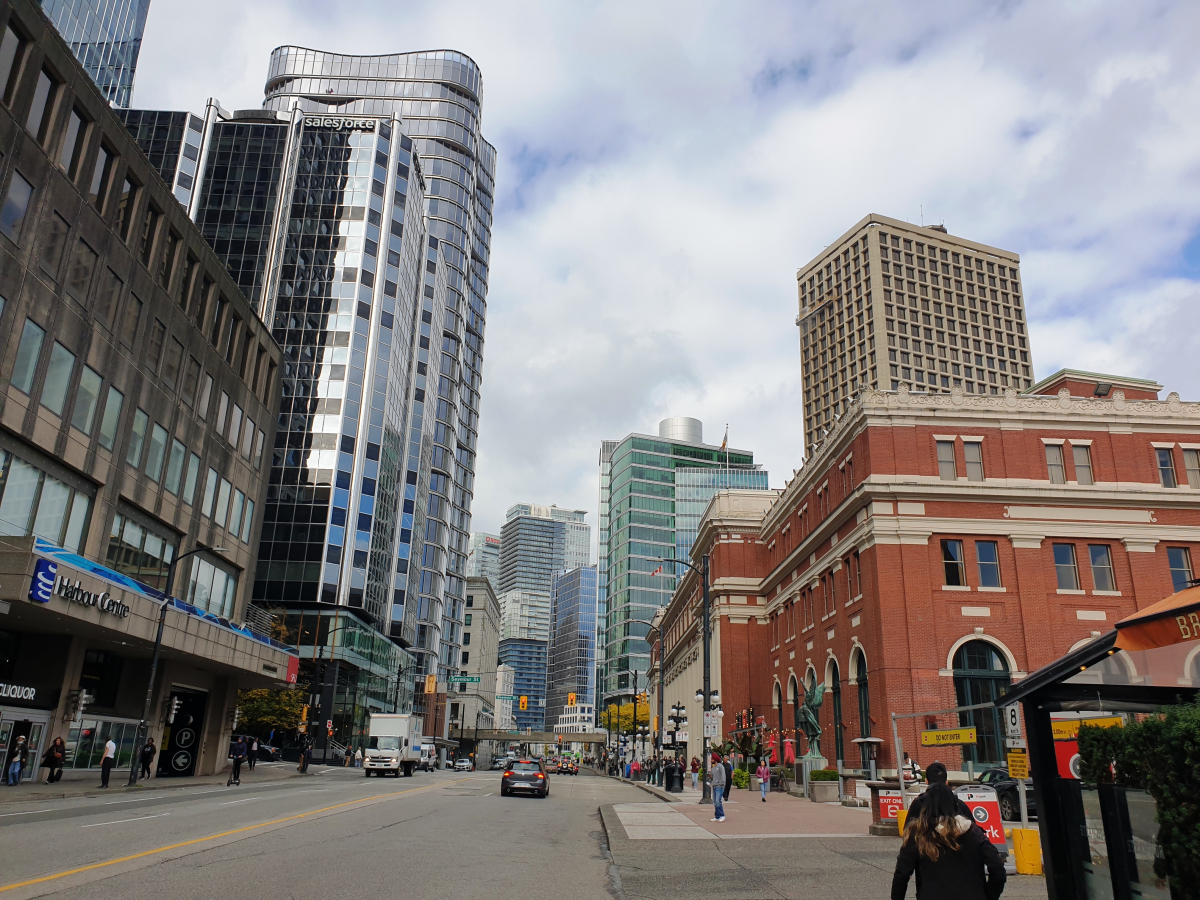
pixel 393 744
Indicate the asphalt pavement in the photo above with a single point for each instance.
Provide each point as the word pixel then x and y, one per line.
pixel 442 835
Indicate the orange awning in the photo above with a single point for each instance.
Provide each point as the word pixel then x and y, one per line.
pixel 1171 621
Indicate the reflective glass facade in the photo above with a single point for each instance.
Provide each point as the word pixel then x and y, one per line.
pixel 528 661
pixel 571 666
pixel 694 488
pixel 639 521
pixel 438 95
pixel 106 36
pixel 171 141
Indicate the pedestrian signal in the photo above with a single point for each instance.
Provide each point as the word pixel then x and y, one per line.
pixel 524 702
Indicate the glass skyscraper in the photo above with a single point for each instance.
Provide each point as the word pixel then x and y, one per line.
pixel 571 664
pixel 106 36
pixel 650 489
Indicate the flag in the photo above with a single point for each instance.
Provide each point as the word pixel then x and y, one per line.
pixel 657 571
pixel 725 440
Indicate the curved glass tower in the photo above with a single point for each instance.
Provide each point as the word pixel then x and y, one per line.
pixel 437 95
pixel 106 36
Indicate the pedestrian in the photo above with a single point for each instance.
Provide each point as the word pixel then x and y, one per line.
pixel 53 760
pixel 14 763
pixel 253 757
pixel 358 757
pixel 238 754
pixel 949 853
pixel 636 770
pixel 764 778
pixel 728 777
pixel 936 774
pixel 107 761
pixel 695 774
pixel 717 778
pixel 912 772
pixel 149 751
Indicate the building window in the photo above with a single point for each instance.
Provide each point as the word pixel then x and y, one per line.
pixel 1191 464
pixel 111 417
pixel 864 709
pixel 72 146
pixel 32 502
pixel 1064 567
pixel 138 552
pixel 857 573
pixel 1054 464
pixel 1166 467
pixel 79 275
pixel 947 468
pixel 987 555
pixel 981 675
pixel 836 689
pixel 1083 463
pixel 1180 561
pixel 16 204
pixel 38 122
pixel 87 397
pixel 12 54
pixel 137 439
pixel 58 379
pixel 1102 568
pixel 466 638
pixel 101 175
pixel 952 564
pixel 158 452
pixel 974 454
pixel 211 589
pixel 28 353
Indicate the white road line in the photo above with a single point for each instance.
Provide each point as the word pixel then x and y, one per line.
pixel 119 821
pixel 489 793
pixel 28 812
pixel 243 800
pixel 134 800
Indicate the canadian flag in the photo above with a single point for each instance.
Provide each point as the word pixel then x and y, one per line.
pixel 657 571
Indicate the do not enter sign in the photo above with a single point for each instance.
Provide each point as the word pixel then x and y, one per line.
pixel 985 809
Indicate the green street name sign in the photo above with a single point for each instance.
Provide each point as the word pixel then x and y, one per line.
pixel 463 679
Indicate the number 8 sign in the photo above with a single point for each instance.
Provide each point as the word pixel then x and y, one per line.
pixel 1012 720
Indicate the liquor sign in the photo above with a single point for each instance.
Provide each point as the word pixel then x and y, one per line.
pixel 944 737
pixel 985 810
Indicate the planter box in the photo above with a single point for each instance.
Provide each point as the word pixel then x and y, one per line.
pixel 753 782
pixel 823 791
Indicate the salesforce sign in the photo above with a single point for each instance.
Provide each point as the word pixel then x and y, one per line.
pixel 339 124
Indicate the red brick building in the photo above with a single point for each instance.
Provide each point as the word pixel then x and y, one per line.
pixel 936 548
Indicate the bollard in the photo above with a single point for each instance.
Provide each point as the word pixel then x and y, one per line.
pixel 1027 848
pixel 901 818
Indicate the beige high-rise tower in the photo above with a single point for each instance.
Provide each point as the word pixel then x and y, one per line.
pixel 890 304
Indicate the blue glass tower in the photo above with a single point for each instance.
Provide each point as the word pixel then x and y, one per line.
pixel 571 666
pixel 106 36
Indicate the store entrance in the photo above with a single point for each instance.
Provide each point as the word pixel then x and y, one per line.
pixel 182 737
pixel 13 725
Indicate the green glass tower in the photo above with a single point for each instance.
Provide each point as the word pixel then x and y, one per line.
pixel 638 524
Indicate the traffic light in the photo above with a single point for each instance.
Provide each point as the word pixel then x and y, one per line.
pixel 570 699
pixel 560 741
pixel 431 684
pixel 176 702
pixel 80 700
pixel 524 702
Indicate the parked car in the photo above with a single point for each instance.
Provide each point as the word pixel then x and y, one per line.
pixel 525 776
pixel 267 753
pixel 463 765
pixel 499 763
pixel 1007 793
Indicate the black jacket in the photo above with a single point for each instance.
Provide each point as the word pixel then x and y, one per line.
pixel 955 876
pixel 960 808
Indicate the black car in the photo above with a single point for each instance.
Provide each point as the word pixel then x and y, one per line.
pixel 1006 791
pixel 525 776
pixel 267 753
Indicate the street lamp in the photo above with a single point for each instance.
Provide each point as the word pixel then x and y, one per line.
pixel 139 735
pixel 702 695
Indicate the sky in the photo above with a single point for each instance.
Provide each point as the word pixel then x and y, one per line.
pixel 665 168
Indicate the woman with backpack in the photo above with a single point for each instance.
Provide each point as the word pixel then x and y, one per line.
pixel 953 858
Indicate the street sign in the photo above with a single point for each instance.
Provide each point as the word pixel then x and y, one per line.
pixel 1012 720
pixel 985 810
pixel 943 737
pixel 463 679
pixel 890 803
pixel 681 737
pixel 1018 764
pixel 1016 743
pixel 506 697
pixel 710 724
pixel 1068 729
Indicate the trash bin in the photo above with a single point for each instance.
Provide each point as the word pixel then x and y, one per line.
pixel 676 781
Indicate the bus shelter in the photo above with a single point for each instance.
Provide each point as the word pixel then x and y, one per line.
pixel 1101 840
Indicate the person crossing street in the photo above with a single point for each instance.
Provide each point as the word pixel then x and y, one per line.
pixel 238 754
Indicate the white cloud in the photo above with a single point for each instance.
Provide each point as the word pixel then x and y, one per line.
pixel 664 168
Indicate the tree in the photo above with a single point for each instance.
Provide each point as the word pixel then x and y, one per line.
pixel 264 710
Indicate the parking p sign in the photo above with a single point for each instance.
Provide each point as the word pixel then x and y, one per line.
pixel 985 809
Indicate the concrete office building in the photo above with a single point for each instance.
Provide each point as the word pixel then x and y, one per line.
pixel 571 661
pixel 473 704
pixel 646 482
pixel 483 559
pixel 890 304
pixel 504 693
pixel 106 37
pixel 138 392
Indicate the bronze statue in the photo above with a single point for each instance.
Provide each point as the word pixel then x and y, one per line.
pixel 807 718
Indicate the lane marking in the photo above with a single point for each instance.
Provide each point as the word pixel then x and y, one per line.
pixel 134 800
pixel 201 840
pixel 28 812
pixel 243 800
pixel 119 821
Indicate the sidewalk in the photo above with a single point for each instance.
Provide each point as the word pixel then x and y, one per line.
pixel 118 783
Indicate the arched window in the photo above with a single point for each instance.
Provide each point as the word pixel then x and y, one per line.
pixel 981 676
pixel 864 706
pixel 836 688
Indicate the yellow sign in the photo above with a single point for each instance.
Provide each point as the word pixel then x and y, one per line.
pixel 1018 764
pixel 1068 729
pixel 946 736
pixel 570 699
pixel 524 702
pixel 431 684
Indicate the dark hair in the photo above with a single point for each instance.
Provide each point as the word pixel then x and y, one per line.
pixel 936 773
pixel 939 810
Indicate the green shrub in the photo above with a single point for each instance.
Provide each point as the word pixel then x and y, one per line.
pixel 823 775
pixel 741 778
pixel 1160 755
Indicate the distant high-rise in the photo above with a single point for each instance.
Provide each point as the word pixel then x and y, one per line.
pixel 483 559
pixel 106 36
pixel 891 303
pixel 662 484
pixel 571 662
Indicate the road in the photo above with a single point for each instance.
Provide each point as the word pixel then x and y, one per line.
pixel 440 835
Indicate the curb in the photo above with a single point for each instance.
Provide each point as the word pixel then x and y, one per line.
pixel 155 785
